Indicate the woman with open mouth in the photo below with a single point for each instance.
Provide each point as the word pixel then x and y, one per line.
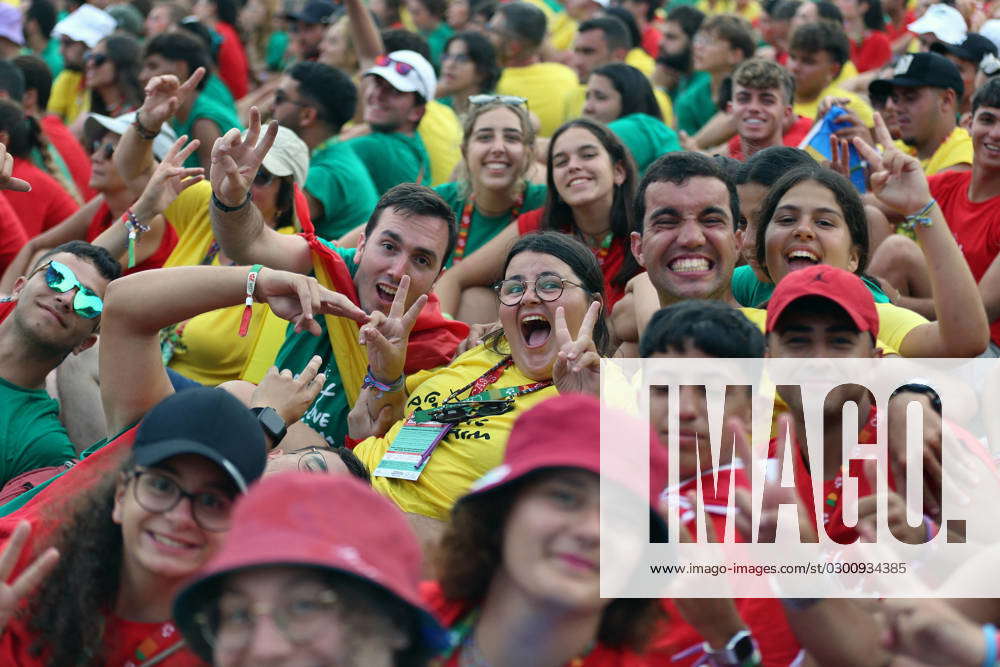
pixel 428 437
pixel 815 216
pixel 591 186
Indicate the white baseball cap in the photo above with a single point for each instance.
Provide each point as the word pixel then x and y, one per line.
pixel 407 72
pixel 944 22
pixel 88 24
pixel 289 156
pixel 95 121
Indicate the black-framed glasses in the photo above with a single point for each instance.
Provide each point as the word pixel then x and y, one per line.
pixel 106 150
pixel 311 459
pixel 281 97
pixel 509 100
pixel 263 178
pixel 60 278
pixel 230 623
pixel 547 288
pixel 97 59
pixel 157 493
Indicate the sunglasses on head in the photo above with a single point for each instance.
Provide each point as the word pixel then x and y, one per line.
pixel 60 278
pixel 401 67
pixel 97 59
pixel 509 100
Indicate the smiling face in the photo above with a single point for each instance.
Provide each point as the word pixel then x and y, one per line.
pixel 688 243
pixel 603 103
pixel 808 228
pixel 390 110
pixel 401 244
pixel 47 318
pixel 986 138
pixel 495 152
pixel 169 545
pixel 760 114
pixel 530 325
pixel 104 177
pixel 582 170
pixel 550 542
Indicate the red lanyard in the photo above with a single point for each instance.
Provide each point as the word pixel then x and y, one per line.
pixel 867 434
pixel 492 375
pixel 602 253
pixel 466 223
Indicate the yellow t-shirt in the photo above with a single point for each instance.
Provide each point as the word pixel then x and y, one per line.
pixel 751 11
pixel 441 133
pixel 894 323
pixel 190 217
pixel 575 101
pixel 848 71
pixel 642 61
pixel 545 86
pixel 562 32
pixel 956 149
pixel 857 105
pixel 69 97
pixel 467 452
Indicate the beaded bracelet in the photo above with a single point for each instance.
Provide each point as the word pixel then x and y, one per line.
pixel 921 218
pixel 134 228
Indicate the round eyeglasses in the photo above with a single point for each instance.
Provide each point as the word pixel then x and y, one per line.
pixel 157 493
pixel 547 288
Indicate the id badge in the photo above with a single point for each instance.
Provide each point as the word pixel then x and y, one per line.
pixel 411 449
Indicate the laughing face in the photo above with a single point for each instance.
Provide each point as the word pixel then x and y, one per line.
pixel 760 114
pixel 808 228
pixel 495 152
pixel 530 324
pixel 986 137
pixel 582 170
pixel 688 244
pixel 401 244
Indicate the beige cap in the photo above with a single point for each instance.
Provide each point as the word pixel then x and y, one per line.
pixel 289 156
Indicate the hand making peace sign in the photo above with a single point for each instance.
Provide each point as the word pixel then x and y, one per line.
pixel 386 336
pixel 11 594
pixel 235 159
pixel 578 365
pixel 164 95
pixel 897 179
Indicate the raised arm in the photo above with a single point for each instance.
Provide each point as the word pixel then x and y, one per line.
pixel 367 40
pixel 961 329
pixel 236 222
pixel 136 307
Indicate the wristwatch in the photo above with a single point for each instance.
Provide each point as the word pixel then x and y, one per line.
pixel 740 651
pixel 271 423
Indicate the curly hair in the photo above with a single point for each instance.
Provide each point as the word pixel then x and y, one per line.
pixel 67 614
pixel 470 553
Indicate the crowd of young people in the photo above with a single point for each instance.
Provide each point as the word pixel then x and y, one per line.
pixel 303 305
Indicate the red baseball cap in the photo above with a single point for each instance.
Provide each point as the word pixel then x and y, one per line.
pixel 327 522
pixel 842 287
pixel 565 432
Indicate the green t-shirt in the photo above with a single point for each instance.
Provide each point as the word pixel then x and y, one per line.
pixel 648 138
pixel 484 228
pixel 277 45
pixel 328 413
pixel 694 106
pixel 215 103
pixel 392 158
pixel 436 40
pixel 339 180
pixel 52 57
pixel 752 293
pixel 30 432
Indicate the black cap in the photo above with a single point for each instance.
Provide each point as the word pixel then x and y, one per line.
pixel 973 49
pixel 315 11
pixel 920 69
pixel 207 421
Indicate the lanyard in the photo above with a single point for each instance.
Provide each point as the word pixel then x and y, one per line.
pixel 489 377
pixel 466 223
pixel 831 501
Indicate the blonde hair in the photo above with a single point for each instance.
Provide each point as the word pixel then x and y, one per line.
pixel 468 125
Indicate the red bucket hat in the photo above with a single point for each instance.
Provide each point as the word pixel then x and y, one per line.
pixel 327 522
pixel 565 432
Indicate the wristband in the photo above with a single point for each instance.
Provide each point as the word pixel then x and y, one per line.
pixel 134 228
pixel 148 135
pixel 371 383
pixel 920 218
pixel 248 304
pixel 229 209
pixel 990 635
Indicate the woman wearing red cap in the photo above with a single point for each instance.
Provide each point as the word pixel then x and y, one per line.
pixel 530 594
pixel 815 216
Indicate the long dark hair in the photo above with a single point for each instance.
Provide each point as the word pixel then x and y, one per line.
pixel 845 194
pixel 67 613
pixel 583 263
pixel 24 136
pixel 483 56
pixel 125 53
pixel 558 215
pixel 633 86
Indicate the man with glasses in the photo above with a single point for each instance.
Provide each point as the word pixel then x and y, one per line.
pixel 53 312
pixel 396 91
pixel 314 101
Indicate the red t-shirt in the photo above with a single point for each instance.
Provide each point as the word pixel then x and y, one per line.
pixel 610 266
pixel 233 64
pixel 975 226
pixel 765 617
pixel 12 234
pixel 102 221
pixel 71 152
pixel 45 206
pixel 894 32
pixel 651 40
pixel 793 137
pixel 873 52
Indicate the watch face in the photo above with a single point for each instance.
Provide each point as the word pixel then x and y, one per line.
pixel 270 420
